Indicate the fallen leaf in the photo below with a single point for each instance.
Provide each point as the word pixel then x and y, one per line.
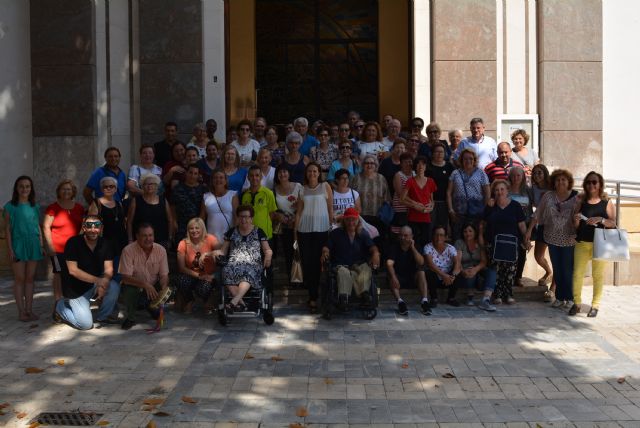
pixel 3 405
pixel 103 423
pixel 248 356
pixel 296 425
pixel 21 415
pixel 151 424
pixel 33 326
pixel 448 376
pixel 405 365
pixel 277 358
pixel 162 414
pixel 621 380
pixel 189 400
pixel 302 412
pixel 60 362
pixel 29 370
pixel 34 425
pixel 153 401
pixel 328 381
pixel 148 408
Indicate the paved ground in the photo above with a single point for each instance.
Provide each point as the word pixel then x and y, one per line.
pixel 524 366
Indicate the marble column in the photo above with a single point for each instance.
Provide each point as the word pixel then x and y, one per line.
pixel 463 63
pixel 63 75
pixel 570 84
pixel 170 58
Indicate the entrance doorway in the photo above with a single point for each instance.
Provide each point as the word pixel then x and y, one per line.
pixel 316 58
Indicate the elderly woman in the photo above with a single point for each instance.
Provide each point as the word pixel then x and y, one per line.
pixel 218 205
pixel 62 220
pixel 274 146
pixel 245 246
pixel 417 124
pixel 153 209
pixel 433 137
pixel 268 172
pixel 417 196
pixel 527 157
pixel 146 166
pixel 371 142
pixel 196 276
pixel 246 146
pixel 295 161
pixel 199 139
pixel 314 212
pixel 556 212
pixel 186 200
pixel 325 152
pixel 504 217
pixel 113 215
pixel 522 194
pixel 455 137
pixel 467 193
pixel 345 161
pixel 230 165
pixel 595 210
pixel 373 191
pixel 473 259
pixel 443 268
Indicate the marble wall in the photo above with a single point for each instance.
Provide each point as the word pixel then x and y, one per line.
pixel 464 63
pixel 63 91
pixel 570 83
pixel 170 56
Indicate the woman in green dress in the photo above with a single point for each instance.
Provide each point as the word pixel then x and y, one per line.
pixel 24 241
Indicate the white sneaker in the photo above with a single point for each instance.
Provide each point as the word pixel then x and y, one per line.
pixel 568 304
pixel 558 303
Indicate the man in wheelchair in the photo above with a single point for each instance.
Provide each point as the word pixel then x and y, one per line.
pixel 353 255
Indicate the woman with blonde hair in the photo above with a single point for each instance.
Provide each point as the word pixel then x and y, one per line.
pixel 196 275
pixel 230 165
pixel 595 210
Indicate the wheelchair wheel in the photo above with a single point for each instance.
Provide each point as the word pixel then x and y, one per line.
pixel 268 318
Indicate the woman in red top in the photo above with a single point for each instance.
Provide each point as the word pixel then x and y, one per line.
pixel 62 220
pixel 417 196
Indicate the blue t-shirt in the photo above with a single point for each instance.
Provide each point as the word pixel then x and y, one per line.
pixel 308 142
pixel 347 253
pixel 236 180
pixel 99 174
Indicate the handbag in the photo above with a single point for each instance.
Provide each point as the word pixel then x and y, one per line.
pixel 296 265
pixel 385 213
pixel 505 248
pixel 610 245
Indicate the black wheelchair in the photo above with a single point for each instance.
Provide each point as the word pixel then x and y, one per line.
pixel 329 296
pixel 258 303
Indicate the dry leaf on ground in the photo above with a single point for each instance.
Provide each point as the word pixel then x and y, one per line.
pixel 248 356
pixel 3 405
pixel 153 401
pixel 21 415
pixel 30 370
pixel 34 425
pixel 328 381
pixel 405 365
pixel 448 376
pixel 621 380
pixel 302 412
pixel 33 326
pixel 103 423
pixel 151 424
pixel 162 414
pixel 277 358
pixel 60 362
pixel 296 425
pixel 188 399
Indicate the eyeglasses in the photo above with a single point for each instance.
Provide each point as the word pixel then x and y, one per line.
pixel 592 182
pixel 345 148
pixel 92 224
pixel 109 186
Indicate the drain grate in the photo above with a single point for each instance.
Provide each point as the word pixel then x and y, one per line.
pixel 74 419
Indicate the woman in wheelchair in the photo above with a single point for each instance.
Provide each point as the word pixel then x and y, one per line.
pixel 348 249
pixel 248 254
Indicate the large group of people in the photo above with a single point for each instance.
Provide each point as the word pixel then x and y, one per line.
pixel 435 214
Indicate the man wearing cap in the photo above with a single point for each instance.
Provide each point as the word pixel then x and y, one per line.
pixel 86 277
pixel 348 248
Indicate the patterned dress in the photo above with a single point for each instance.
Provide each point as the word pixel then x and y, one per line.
pixel 245 258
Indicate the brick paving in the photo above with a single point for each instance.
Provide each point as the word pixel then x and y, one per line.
pixel 526 365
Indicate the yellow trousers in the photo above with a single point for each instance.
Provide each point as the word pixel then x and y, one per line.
pixel 582 253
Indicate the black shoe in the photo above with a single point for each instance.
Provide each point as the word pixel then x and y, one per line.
pixel 127 324
pixel 453 302
pixel 425 308
pixel 574 309
pixel 109 320
pixel 402 308
pixel 593 313
pixel 366 298
pixel 343 305
pixel 433 303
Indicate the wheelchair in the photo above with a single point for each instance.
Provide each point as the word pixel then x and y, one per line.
pixel 329 295
pixel 259 303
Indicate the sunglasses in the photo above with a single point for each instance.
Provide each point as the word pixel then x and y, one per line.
pixel 92 224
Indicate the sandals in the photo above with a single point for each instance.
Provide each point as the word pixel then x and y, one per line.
pixel 549 296
pixel 593 313
pixel 545 279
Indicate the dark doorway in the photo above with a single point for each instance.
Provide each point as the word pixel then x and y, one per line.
pixel 316 58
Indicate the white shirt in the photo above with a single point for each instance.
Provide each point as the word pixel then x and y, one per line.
pixel 486 148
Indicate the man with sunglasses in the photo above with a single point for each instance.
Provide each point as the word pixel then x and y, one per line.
pixel 143 267
pixel 86 277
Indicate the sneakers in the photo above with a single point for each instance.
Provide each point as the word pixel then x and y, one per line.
pixel 402 308
pixel 425 308
pixel 568 304
pixel 470 301
pixel 127 324
pixel 510 300
pixel 558 303
pixel 574 310
pixel 497 301
pixel 486 305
